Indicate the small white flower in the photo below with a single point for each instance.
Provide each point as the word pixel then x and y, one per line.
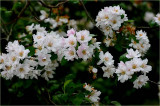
pixel 157 19
pixel 84 52
pixel 30 28
pixel 38 37
pixel 70 54
pixel 106 58
pixel 132 54
pixel 140 81
pixel 43 59
pixel 83 36
pixel 94 70
pixel 71 41
pixel 48 74
pixel 122 72
pixel 43 15
pixel 22 70
pixel 53 22
pixel 144 67
pixel 141 35
pixel 108 71
pixel 149 16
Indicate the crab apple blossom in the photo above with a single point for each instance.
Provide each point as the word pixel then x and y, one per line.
pixel 140 81
pixel 43 15
pixel 83 36
pixel 71 32
pixel 84 52
pixel 52 45
pixel 108 71
pixel 106 58
pixel 111 17
pixel 94 94
pixel 132 53
pixel 157 19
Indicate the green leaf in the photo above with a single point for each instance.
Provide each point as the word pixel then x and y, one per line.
pixel 53 56
pixel 116 103
pixel 122 16
pixel 63 61
pixel 118 47
pixel 123 58
pixel 92 35
pixel 16 5
pixel 78 99
pixel 32 50
pixel 65 84
pixel 130 21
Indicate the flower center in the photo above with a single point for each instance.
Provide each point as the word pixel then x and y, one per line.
pixel 72 42
pixel 50 44
pixel 21 69
pixel 40 47
pixel 139 82
pixel 106 58
pixel 8 67
pixel 106 17
pixel 114 21
pixel 39 37
pixel 143 65
pixel 140 34
pixel 21 53
pixel 2 61
pixel 48 72
pixel 71 53
pixel 14 58
pixel 134 66
pixel 82 37
pixel 84 52
pixel 123 72
pixel 43 59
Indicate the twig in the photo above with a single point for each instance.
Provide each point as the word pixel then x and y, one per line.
pixel 94 23
pixel 16 19
pixel 50 97
pixel 5 30
pixel 50 6
pixel 142 27
pixel 154 82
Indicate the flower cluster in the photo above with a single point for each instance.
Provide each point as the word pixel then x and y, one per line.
pixel 157 19
pixel 94 96
pixel 108 61
pixel 54 23
pixel 77 45
pixel 126 70
pixel 143 42
pixel 110 18
pixel 12 64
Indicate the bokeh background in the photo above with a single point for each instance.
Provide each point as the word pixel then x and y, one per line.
pixel 25 92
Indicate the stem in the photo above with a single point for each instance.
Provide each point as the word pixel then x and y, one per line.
pixel 16 19
pixel 153 82
pixel 90 16
pixel 50 97
pixel 50 6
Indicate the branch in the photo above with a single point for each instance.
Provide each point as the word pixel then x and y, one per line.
pixel 154 82
pixel 142 27
pixel 50 6
pixel 16 19
pixel 90 16
pixel 21 12
pixel 50 97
